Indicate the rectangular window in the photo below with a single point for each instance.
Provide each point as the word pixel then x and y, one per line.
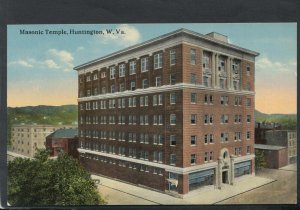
pixel 122 87
pixel 122 70
pixel 205 60
pixel 236 85
pixel 112 88
pixel 248 150
pixel 146 101
pixel 132 67
pixel 193 140
pixel 193 98
pixel 158 81
pixel 211 155
pixel 193 79
pixel 224 137
pixel 142 101
pixel 237 118
pixel 158 61
pixel 95 76
pixel 112 72
pixel 224 118
pixel 172 79
pixel 160 119
pixel 154 100
pixel 224 100
pixel 154 119
pixel 134 102
pixel 208 99
pixel 172 140
pixel 103 74
pixel 237 136
pixel 173 98
pixel 193 159
pixel 103 90
pixel 132 85
pixel 173 159
pixel 248 102
pixel 172 57
pixel 193 56
pixel 172 119
pixel 205 156
pixel 144 64
pixel 145 84
pixel 221 64
pixel 248 69
pixel 206 81
pixel 248 135
pixel 193 119
pixel 222 83
pixel 160 99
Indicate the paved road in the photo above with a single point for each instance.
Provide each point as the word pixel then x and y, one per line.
pixel 282 191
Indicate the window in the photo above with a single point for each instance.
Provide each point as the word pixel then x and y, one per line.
pixel 88 92
pixel 205 60
pixel 221 64
pixel 158 81
pixel 172 140
pixel 237 118
pixel 154 100
pixel 173 159
pixel 237 136
pixel 134 102
pixel 193 119
pixel 248 86
pixel 248 135
pixel 112 72
pixel 146 101
pixel 112 88
pixel 103 90
pixel 122 70
pixel 224 137
pixel 172 57
pixel 103 74
pixel 145 84
pixel 235 67
pixel 208 99
pixel 205 156
pixel 160 99
pixel 158 61
pixel 142 101
pixel 193 56
pixel 122 87
pixel 248 102
pixel 160 119
pixel 208 119
pixel 208 138
pixel 224 118
pixel 248 69
pixel 211 155
pixel 237 101
pixel 193 79
pixel 222 83
pixel 193 140
pixel 154 119
pixel 224 100
pixel 206 81
pixel 236 85
pixel 132 67
pixel 193 159
pixel 172 79
pixel 248 150
pixel 144 64
pixel 88 78
pixel 173 98
pixel 95 76
pixel 95 91
pixel 172 119
pixel 237 151
pixel 193 98
pixel 132 85
pixel 248 118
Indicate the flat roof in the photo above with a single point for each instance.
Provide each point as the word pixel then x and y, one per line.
pixel 181 31
pixel 268 147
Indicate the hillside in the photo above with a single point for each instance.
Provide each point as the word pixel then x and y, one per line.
pixel 288 121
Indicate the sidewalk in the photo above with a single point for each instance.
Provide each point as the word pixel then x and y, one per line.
pixel 120 193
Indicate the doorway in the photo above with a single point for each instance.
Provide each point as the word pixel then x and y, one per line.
pixel 225 177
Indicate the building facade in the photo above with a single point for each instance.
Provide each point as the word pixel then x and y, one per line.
pixel 63 140
pixel 285 138
pixel 275 156
pixel 26 139
pixel 260 131
pixel 174 113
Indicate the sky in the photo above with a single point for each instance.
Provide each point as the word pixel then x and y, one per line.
pixel 40 67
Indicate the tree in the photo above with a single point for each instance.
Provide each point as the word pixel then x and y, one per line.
pixel 259 159
pixel 44 181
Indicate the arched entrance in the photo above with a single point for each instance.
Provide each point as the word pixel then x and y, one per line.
pixel 224 169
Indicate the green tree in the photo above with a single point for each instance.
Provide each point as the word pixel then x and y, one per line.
pixel 44 181
pixel 259 159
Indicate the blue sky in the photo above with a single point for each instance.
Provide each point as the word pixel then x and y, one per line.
pixel 40 66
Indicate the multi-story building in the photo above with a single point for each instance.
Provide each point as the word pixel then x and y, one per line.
pixel 285 138
pixel 26 139
pixel 174 113
pixel 260 131
pixel 63 140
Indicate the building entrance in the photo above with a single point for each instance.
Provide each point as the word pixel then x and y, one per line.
pixel 225 177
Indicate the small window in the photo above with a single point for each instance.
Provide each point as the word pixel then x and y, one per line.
pixel 193 140
pixel 193 98
pixel 193 119
pixel 145 84
pixel 172 57
pixel 193 159
pixel 158 61
pixel 172 140
pixel 193 56
pixel 172 119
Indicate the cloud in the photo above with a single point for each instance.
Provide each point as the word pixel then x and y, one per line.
pixel 63 55
pixel 24 63
pixel 131 36
pixel 266 64
pixel 51 64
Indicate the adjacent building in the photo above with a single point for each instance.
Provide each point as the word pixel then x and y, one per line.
pixel 64 140
pixel 275 156
pixel 260 131
pixel 174 113
pixel 285 138
pixel 26 139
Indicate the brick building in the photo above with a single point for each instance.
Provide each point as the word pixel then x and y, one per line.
pixel 260 131
pixel 63 140
pixel 26 139
pixel 174 113
pixel 285 138
pixel 275 156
